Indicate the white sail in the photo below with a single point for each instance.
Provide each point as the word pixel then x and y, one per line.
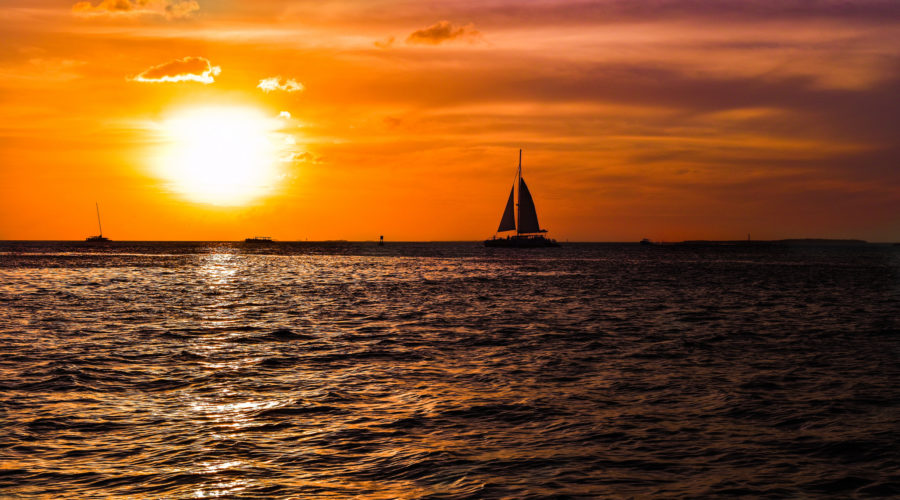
pixel 528 221
pixel 508 222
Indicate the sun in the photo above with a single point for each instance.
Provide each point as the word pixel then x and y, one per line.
pixel 220 155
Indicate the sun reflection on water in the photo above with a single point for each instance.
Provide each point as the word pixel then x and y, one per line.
pixel 219 267
pixel 222 488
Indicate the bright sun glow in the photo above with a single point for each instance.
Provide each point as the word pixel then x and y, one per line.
pixel 221 155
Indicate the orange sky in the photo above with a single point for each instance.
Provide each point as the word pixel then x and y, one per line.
pixel 662 119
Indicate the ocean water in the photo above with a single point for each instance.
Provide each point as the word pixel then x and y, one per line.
pixel 447 370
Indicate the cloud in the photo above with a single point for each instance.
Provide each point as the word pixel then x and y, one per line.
pixel 41 71
pixel 385 43
pixel 170 9
pixel 304 157
pixel 188 69
pixel 275 83
pixel 442 31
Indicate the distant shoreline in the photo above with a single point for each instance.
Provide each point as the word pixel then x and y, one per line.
pixel 785 242
pixel 781 242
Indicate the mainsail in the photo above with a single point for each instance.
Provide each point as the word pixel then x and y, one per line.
pixel 508 222
pixel 528 221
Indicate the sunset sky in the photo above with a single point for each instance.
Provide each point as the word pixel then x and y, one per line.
pixel 203 119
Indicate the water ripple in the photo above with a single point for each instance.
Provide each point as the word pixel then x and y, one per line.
pixel 343 370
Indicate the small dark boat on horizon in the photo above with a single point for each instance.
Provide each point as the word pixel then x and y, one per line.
pixel 99 238
pixel 528 231
pixel 521 241
pixel 258 239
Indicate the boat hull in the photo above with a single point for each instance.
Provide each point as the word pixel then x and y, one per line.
pixel 521 242
pixel 96 239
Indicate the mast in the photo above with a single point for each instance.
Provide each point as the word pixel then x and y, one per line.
pixel 98 218
pixel 518 180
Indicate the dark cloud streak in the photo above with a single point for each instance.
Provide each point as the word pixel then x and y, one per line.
pixel 442 31
pixel 504 13
pixel 615 11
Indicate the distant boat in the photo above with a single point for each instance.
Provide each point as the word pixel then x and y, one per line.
pixel 381 241
pixel 646 241
pixel 258 239
pixel 99 238
pixel 528 232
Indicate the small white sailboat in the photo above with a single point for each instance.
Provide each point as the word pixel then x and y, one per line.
pixel 522 218
pixel 99 238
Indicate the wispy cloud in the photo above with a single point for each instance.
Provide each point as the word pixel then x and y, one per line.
pixel 442 31
pixel 277 83
pixel 41 71
pixel 188 69
pixel 170 9
pixel 303 157
pixel 384 43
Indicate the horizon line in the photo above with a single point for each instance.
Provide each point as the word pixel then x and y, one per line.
pixel 660 242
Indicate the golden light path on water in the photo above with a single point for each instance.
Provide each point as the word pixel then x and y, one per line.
pixel 217 271
pixel 233 413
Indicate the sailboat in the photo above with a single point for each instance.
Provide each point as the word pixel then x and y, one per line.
pixel 99 237
pixel 522 218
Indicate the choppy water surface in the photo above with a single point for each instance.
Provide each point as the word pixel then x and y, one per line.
pixel 448 370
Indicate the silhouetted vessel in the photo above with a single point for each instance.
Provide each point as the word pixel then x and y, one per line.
pixel 258 239
pixel 99 238
pixel 528 232
pixel 646 241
